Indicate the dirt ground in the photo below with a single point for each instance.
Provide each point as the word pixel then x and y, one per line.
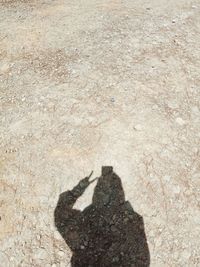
pixel 91 83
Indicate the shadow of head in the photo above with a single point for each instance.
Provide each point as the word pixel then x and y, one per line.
pixel 106 233
pixel 108 191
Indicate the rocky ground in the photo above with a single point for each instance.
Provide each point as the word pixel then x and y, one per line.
pixel 91 83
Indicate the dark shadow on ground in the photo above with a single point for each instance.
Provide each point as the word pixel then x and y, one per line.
pixel 108 233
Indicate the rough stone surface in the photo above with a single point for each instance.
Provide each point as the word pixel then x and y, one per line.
pixel 76 78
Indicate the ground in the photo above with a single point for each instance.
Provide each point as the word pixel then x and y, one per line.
pixel 91 83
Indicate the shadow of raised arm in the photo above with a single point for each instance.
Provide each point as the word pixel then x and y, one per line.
pixel 66 216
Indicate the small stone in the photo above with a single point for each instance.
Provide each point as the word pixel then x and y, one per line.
pixel 138 127
pixel 4 68
pixel 172 104
pixel 195 149
pixel 180 121
pixel 197 219
pixel 155 107
pixel 159 241
pixel 176 189
pixel 41 254
pixel 85 243
pixel 105 199
pixel 152 176
pixel 57 235
pixel 4 259
pixel 186 254
pixel 116 259
pixel 176 255
pixel 113 228
pixel 61 253
pixel 195 110
pixel 98 99
pixel 126 220
pixel 51 106
pixel 167 178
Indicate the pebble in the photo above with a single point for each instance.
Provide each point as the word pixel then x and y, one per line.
pixel 151 176
pixel 138 127
pixel 116 259
pixel 61 253
pixel 4 259
pixel 167 178
pixel 105 199
pixel 186 254
pixel 51 106
pixel 4 68
pixel 197 219
pixel 41 254
pixel 195 149
pixel 172 105
pixel 98 99
pixel 180 121
pixel 113 228
pixel 159 241
pixel 176 189
pixel 155 107
pixel 195 110
pixel 57 235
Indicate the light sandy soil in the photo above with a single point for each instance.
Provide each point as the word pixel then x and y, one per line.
pixel 91 83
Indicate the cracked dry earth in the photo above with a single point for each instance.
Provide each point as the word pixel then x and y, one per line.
pixel 91 83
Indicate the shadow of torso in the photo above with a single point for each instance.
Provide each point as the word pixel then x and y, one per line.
pixel 107 233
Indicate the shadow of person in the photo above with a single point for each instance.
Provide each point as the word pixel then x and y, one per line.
pixel 108 233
